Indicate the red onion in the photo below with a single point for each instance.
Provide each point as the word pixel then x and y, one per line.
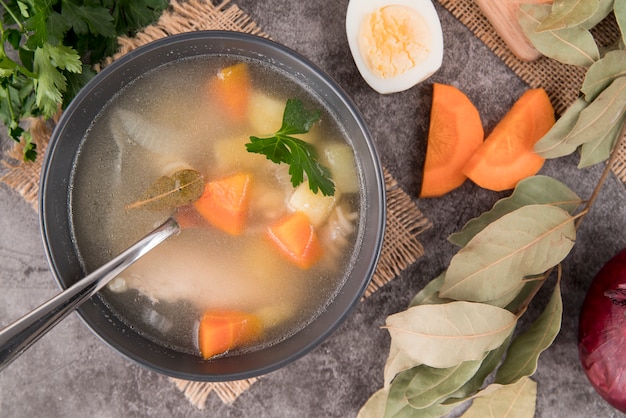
pixel 602 332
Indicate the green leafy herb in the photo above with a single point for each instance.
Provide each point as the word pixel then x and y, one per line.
pixel 301 156
pixel 47 48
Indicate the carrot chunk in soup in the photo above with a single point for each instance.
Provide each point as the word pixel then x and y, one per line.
pixel 295 238
pixel 224 203
pixel 231 89
pixel 221 331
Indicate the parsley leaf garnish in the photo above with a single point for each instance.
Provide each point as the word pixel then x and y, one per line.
pixel 48 48
pixel 298 154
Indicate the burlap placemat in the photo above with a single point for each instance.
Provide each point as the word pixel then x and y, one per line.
pixel 562 82
pixel 405 222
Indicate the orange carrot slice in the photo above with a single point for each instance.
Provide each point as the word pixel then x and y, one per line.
pixel 220 331
pixel 507 155
pixel 295 237
pixel 231 88
pixel 455 132
pixel 224 203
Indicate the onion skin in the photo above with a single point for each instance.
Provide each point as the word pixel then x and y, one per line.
pixel 602 332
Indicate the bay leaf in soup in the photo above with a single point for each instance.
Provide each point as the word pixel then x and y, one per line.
pixel 523 354
pixel 511 401
pixel 523 243
pixel 599 149
pixel 554 144
pixel 600 117
pixel 445 335
pixel 602 73
pixel 574 45
pixel 171 192
pixel 568 13
pixel 537 189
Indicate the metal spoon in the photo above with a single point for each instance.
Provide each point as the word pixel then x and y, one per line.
pixel 21 334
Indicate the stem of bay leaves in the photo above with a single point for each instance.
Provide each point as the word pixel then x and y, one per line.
pixel 579 218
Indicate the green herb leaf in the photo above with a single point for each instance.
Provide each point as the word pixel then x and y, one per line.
pixel 574 45
pixel 84 18
pixel 511 401
pixel 523 354
pixel 495 263
pixel 51 83
pixel 450 333
pixel 51 37
pixel 171 192
pixel 300 155
pixel 530 191
pixel 568 13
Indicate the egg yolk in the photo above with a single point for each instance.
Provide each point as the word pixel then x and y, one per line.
pixel 394 39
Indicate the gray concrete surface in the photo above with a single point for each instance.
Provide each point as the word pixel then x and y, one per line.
pixel 70 373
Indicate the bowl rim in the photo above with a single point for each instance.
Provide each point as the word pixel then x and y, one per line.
pixel 378 204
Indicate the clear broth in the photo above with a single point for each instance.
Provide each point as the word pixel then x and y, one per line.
pixel 167 290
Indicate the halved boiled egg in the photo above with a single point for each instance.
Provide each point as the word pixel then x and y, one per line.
pixel 395 43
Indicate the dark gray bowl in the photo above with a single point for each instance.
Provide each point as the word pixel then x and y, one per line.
pixel 54 204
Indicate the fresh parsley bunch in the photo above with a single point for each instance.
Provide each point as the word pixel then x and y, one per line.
pixel 48 49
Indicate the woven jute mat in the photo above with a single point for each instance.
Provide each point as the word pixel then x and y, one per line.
pixel 405 222
pixel 562 82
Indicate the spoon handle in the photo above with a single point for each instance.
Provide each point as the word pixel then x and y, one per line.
pixel 16 337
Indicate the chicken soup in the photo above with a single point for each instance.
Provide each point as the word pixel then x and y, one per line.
pixel 261 179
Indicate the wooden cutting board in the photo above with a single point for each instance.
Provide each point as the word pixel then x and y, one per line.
pixel 503 15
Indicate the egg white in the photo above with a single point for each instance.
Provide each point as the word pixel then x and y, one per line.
pixel 358 10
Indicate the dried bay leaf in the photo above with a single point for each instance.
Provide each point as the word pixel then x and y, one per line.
pixel 601 115
pixel 602 73
pixel 448 334
pixel 522 243
pixel 554 144
pixel 567 13
pixel 397 362
pixel 170 192
pixel 599 150
pixel 537 189
pixel 428 386
pixel 574 45
pixel 433 411
pixel 511 401
pixel 375 405
pixel 488 365
pixel 619 9
pixel 523 353
pixel 605 7
pixel 429 295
